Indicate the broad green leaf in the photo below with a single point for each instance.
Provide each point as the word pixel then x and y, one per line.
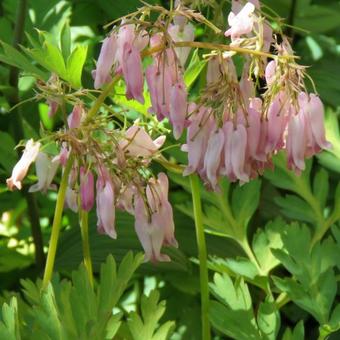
pixel 237 324
pixel 15 58
pixel 321 186
pixel 270 237
pixel 7 156
pixel 75 64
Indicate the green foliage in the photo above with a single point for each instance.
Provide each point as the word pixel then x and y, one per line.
pixel 146 325
pixel 72 309
pixel 234 315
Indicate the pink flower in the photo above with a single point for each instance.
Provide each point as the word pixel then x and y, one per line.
pixel 241 23
pixel 154 219
pixel 125 199
pixel 213 71
pixel 162 214
pixel 133 73
pixel 52 107
pixel 75 117
pixel 296 143
pixel 63 155
pixel 178 33
pixel 20 169
pixel 213 157
pixel 235 149
pixel 270 72
pixel 150 235
pixel 86 189
pixel 137 142
pixel 46 170
pixel 279 111
pixel 71 199
pixel 198 134
pixel 106 206
pixel 313 111
pixel 106 59
pixel 178 108
pixel 159 82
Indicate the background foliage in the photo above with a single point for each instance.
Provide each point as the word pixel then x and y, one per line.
pixel 273 244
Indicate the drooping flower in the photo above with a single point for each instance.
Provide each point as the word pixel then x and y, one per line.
pixel 21 168
pixel 46 170
pixel 86 189
pixel 133 73
pixel 71 199
pixel 105 200
pixel 178 108
pixel 138 143
pixel 242 22
pixel 150 235
pixel 213 157
pixel 106 59
pixel 154 219
pixel 180 32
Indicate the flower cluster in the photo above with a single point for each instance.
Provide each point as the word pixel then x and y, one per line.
pixel 233 129
pixel 109 180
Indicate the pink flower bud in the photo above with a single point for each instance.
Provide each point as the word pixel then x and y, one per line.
pixel 46 170
pixel 86 189
pixel 102 74
pixel 52 107
pixel 178 108
pixel 106 206
pixel 75 117
pixel 133 73
pixel 21 168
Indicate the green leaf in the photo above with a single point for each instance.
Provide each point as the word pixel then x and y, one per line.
pixel 65 40
pixel 268 320
pixel 194 69
pixel 7 157
pixel 295 208
pixel 15 58
pixel 321 186
pixel 297 334
pixel 75 64
pixel 270 237
pixel 145 326
pixel 9 326
pixel 245 200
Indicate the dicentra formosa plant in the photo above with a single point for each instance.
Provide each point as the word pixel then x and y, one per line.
pixel 233 128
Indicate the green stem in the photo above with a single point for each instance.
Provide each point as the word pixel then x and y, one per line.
pixel 100 100
pixel 56 224
pixel 247 249
pixel 84 228
pixel 282 300
pixel 202 255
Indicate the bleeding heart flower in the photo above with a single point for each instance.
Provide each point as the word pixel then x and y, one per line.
pixel 21 168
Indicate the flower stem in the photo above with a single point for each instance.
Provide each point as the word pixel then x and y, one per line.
pixel 84 228
pixel 56 224
pixel 202 255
